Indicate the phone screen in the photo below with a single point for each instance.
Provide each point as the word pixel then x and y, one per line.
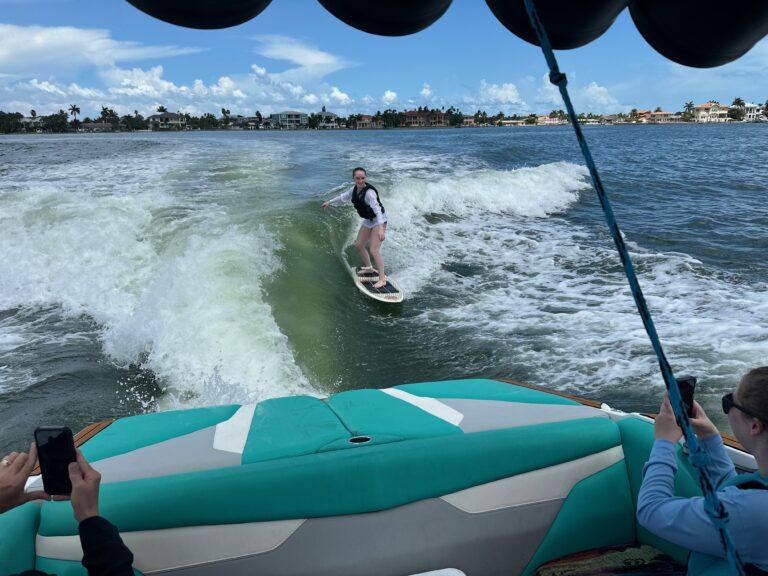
pixel 55 449
pixel 687 385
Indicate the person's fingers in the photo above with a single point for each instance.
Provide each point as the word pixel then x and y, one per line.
pixel 36 495
pixel 17 464
pixel 60 497
pixel 31 461
pixel 89 472
pixel 698 410
pixel 75 474
pixel 84 465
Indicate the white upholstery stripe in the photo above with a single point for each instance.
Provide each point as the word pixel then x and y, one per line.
pixel 232 434
pixel 430 405
pixel 157 550
pixel 541 485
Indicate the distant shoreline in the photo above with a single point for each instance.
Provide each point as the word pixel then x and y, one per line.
pixel 388 129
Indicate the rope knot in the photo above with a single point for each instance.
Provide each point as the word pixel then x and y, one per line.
pixel 557 78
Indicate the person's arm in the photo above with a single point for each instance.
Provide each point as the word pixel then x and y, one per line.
pixel 721 467
pixel 343 198
pixel 681 521
pixel 684 521
pixel 104 553
pixel 370 199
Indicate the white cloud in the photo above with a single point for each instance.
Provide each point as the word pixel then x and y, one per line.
pixel 368 100
pixel 548 93
pixel 389 98
pixel 310 99
pixel 340 97
pixel 426 90
pixel 313 63
pixel 499 93
pixel 46 87
pixel 138 82
pixel 37 50
pixel 258 70
pixel 80 92
pixel 594 98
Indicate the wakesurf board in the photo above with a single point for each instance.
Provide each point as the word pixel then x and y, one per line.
pixel 366 278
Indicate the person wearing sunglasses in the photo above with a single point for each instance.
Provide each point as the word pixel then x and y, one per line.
pixel 683 521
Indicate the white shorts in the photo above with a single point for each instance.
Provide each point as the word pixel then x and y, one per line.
pixel 370 224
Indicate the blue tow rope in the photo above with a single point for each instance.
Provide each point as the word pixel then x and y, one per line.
pixel 698 457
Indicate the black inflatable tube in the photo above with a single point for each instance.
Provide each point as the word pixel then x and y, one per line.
pixel 387 17
pixel 701 33
pixel 569 23
pixel 202 14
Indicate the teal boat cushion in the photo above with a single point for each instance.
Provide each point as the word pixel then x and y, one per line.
pixel 637 438
pixel 65 567
pixel 364 479
pixel 135 432
pixel 597 512
pixel 291 426
pixel 17 538
pixel 483 389
pixel 372 412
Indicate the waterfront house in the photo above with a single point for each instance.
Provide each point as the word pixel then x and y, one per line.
pixel 425 118
pixel 367 122
pixel 326 120
pixel 752 112
pixel 548 121
pixel 290 119
pixel 710 112
pixel 96 127
pixel 468 121
pixel 31 124
pixel 167 121
pixel 660 117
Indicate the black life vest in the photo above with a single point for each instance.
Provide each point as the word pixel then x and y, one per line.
pixel 362 207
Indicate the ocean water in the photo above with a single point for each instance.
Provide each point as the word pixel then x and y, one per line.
pixel 143 272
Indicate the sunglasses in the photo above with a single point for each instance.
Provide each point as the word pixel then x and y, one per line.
pixel 728 403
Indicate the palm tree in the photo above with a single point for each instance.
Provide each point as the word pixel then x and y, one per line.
pixel 33 113
pixel 162 109
pixel 225 114
pixel 74 110
pixel 738 102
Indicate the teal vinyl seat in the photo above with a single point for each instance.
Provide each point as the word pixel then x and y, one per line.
pixel 420 476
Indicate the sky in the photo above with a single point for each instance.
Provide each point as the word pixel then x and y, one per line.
pixel 297 56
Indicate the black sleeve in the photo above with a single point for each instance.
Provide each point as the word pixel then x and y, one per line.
pixel 104 553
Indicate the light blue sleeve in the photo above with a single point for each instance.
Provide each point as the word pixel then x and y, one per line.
pixel 684 521
pixel 720 467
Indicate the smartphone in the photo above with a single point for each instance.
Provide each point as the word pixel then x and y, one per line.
pixel 687 385
pixel 55 450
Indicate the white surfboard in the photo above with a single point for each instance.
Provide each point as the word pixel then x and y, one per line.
pixel 389 293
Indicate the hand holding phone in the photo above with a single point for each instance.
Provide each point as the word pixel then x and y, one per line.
pixel 687 386
pixel 55 450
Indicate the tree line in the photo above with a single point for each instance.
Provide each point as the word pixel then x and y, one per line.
pixel 11 122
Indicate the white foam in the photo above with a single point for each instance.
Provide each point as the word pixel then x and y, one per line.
pixel 172 276
pixel 433 220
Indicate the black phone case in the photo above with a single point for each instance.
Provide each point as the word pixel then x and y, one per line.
pixel 55 459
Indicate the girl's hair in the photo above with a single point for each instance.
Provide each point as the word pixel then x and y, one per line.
pixel 359 168
pixel 753 392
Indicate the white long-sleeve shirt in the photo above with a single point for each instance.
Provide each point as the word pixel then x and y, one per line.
pixel 370 199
